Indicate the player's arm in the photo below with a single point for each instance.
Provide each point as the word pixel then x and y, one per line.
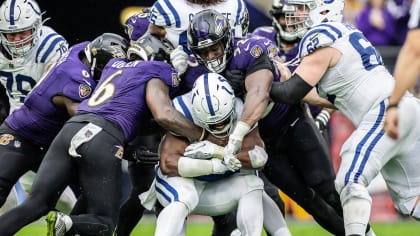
pixel 252 154
pixel 156 30
pixel 174 163
pixel 306 76
pixel 313 98
pixel 165 115
pixel 257 85
pixel 407 67
pixel 406 74
pixel 67 103
pixel 171 149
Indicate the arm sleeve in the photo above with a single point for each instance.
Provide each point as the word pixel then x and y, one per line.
pixel 291 91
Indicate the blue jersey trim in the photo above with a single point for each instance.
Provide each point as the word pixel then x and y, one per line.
pixel 175 13
pixel 370 147
pixel 238 12
pixel 162 12
pixel 168 187
pixel 42 45
pixel 51 48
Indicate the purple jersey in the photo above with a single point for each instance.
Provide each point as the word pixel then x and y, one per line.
pixel 120 96
pixel 247 50
pixel 271 34
pixel 39 120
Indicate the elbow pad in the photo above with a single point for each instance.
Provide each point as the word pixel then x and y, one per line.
pixel 258 157
pixel 291 91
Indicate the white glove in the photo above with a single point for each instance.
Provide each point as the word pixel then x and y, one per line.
pixel 232 162
pixel 179 60
pixel 204 150
pixel 218 166
pixel 235 139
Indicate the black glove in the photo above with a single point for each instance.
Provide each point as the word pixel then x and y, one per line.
pixel 236 79
pixel 140 155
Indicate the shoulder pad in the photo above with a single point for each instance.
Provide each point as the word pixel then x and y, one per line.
pixel 51 46
pixel 320 36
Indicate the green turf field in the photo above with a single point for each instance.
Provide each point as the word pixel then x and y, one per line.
pixel 200 228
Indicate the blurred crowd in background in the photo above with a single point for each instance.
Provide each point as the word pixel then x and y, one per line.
pixel 384 22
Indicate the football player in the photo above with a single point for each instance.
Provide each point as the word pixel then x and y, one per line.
pixel 128 95
pixel 27 49
pixel 197 181
pixel 29 130
pixel 348 71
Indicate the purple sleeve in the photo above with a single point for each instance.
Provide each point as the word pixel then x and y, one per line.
pixel 78 90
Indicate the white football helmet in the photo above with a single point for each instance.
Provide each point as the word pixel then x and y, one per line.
pixel 308 13
pixel 213 104
pixel 17 16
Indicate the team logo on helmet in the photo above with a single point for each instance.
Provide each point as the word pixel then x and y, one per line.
pixel 220 25
pixel 129 30
pixel 84 90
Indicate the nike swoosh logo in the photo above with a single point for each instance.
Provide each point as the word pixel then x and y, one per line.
pixel 294 122
pixel 247 47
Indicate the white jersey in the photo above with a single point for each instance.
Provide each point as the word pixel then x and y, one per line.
pixel 20 75
pixel 360 80
pixel 414 21
pixel 175 17
pixel 359 85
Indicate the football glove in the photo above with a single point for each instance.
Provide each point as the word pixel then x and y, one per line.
pixel 141 155
pixel 179 60
pixel 204 150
